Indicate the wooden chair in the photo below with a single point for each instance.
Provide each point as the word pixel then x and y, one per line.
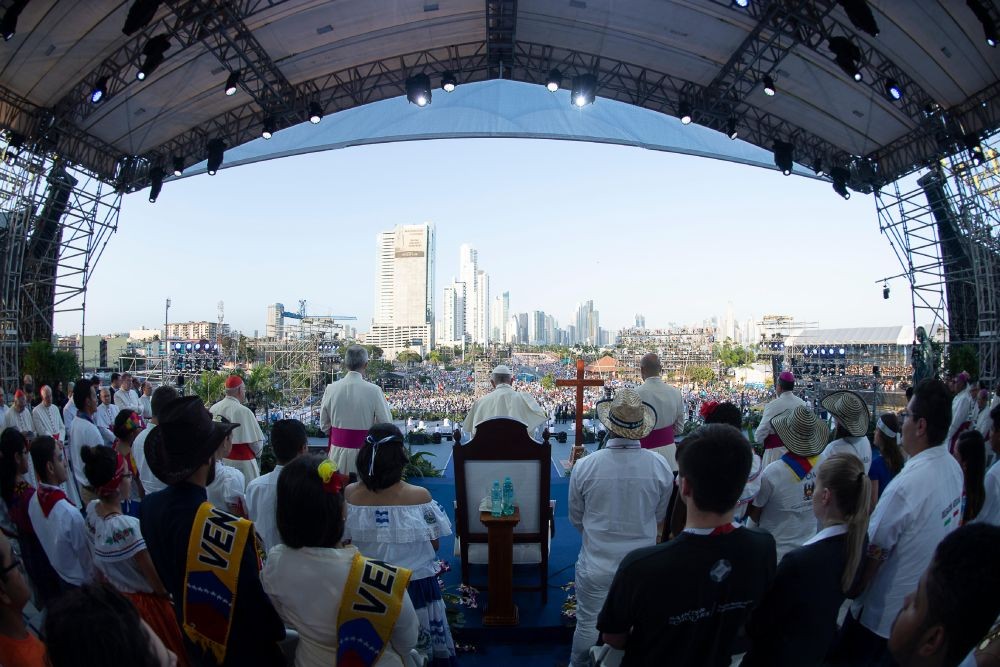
pixel 502 448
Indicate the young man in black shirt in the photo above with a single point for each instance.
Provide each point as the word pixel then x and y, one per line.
pixel 683 602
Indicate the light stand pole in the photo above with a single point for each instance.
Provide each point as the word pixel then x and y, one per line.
pixel 166 340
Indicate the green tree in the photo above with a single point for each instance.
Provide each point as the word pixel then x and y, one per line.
pixel 701 374
pixel 548 381
pixel 210 387
pixel 260 384
pixel 963 358
pixel 48 366
pixel 408 356
pixel 376 367
pixel 434 357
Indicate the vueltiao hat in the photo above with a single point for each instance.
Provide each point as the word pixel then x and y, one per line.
pixel 626 415
pixel 185 437
pixel 850 410
pixel 801 431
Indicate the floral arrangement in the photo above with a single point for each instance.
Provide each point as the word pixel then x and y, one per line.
pixel 461 597
pixel 569 604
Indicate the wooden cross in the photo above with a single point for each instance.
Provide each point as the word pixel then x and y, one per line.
pixel 579 383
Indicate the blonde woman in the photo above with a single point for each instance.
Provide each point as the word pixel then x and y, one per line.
pixel 812 581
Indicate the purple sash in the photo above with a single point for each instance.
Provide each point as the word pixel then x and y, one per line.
pixel 658 438
pixel 773 442
pixel 348 438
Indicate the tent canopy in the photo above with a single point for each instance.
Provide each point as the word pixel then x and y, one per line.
pixel 663 55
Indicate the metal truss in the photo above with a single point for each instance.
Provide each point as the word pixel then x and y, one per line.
pixel 55 220
pixel 910 218
pixel 296 367
pixel 501 26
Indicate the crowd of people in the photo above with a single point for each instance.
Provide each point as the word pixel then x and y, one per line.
pixel 154 522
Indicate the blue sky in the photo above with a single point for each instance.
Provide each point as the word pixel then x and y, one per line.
pixel 555 222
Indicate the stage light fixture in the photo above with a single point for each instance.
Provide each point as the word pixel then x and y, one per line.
pixel 839 176
pixel 187 347
pixel 847 56
pixel 139 15
pixel 154 52
pixel 553 81
pixel 232 81
pixel 584 90
pixel 178 165
pixel 818 166
pixel 893 90
pixel 684 113
pixel 155 183
pixel 418 90
pixel 768 82
pixel 731 128
pixel 100 91
pixel 8 25
pixel 269 128
pixel 216 149
pixel 885 290
pixel 860 16
pixel 784 156
pixel 989 27
pixel 315 112
pixel 975 149
pixel 742 4
pixel 449 82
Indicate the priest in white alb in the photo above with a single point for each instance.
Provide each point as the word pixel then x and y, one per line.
pixel 350 407
pixel 503 401
pixel 783 402
pixel 669 406
pixel 47 416
pixel 248 439
pixel 19 416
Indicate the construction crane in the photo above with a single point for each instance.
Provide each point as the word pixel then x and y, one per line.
pixel 301 315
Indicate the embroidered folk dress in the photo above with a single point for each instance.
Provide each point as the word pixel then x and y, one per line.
pixel 401 535
pixel 306 586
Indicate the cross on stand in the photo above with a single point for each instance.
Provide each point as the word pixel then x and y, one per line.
pixel 579 383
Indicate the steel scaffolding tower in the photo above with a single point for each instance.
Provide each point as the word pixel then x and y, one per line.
pixel 55 220
pixel 943 224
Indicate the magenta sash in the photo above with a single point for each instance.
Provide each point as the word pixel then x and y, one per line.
pixel 348 438
pixel 773 442
pixel 658 438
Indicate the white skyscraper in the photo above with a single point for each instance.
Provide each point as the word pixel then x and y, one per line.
pixel 404 290
pixel 499 315
pixel 588 324
pixel 482 308
pixel 384 277
pixel 453 314
pixel 468 267
pixel 729 323
pixel 274 325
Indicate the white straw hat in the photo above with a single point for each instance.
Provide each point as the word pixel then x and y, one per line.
pixel 850 410
pixel 801 431
pixel 626 414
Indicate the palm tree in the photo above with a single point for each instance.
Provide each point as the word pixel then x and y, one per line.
pixel 209 387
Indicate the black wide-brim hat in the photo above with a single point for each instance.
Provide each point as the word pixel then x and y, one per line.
pixel 185 438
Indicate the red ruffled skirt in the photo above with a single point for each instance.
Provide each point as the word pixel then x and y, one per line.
pixel 159 614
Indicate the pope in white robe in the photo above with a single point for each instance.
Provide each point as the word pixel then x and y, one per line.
pixel 47 417
pixel 248 439
pixel 350 407
pixel 669 406
pixel 785 400
pixel 503 401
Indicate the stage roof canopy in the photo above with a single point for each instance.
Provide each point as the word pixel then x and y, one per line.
pixel 709 55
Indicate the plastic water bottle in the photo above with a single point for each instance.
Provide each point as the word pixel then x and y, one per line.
pixel 508 496
pixel 496 499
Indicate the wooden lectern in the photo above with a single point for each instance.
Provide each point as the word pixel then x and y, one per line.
pixel 500 608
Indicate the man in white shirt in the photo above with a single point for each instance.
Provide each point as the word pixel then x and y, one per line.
pixel 961 406
pixel 19 416
pixel 784 401
pixel 669 406
pixel 350 407
pixel 83 432
pixel 150 482
pixel 69 410
pixel 983 420
pixel 248 439
pixel 618 500
pixel 990 513
pixel 126 398
pixel 288 441
pixel 145 401
pixel 104 417
pixel 921 506
pixel 56 521
pixel 47 418
pixel 853 419
pixel 503 401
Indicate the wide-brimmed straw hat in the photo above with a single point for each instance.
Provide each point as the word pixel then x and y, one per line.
pixel 626 415
pixel 801 431
pixel 185 437
pixel 850 410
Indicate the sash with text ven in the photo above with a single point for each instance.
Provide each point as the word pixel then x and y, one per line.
pixel 215 551
pixel 373 598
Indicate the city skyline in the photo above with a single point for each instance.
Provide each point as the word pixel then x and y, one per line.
pixel 672 237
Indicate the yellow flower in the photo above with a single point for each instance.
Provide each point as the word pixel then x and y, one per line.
pixel 326 470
